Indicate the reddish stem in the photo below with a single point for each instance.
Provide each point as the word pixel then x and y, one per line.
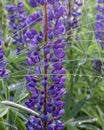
pixel 45 58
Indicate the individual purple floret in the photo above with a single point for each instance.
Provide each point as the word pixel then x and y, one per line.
pixel 3 71
pixel 34 18
pixel 47 84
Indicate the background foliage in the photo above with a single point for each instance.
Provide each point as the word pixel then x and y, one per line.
pixel 84 101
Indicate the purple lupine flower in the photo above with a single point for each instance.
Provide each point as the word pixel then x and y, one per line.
pixel 100 1
pixel 97 65
pixel 17 22
pixel 33 38
pixel 3 71
pixel 47 88
pixel 99 25
pixel 1 35
pixel 99 35
pixel 73 14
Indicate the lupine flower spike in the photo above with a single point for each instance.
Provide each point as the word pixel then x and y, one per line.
pixel 47 92
pixel 3 71
pixel 17 22
pixel 99 34
pixel 73 14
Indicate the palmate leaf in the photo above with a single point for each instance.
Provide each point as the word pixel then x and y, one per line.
pixel 21 97
pixel 77 107
pixel 81 122
pixel 20 93
pixel 96 114
pixel 70 114
pixel 15 121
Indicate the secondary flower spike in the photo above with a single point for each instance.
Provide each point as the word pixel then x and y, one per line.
pixel 99 34
pixel 3 71
pixel 73 13
pixel 47 87
pixel 17 22
pixel 99 25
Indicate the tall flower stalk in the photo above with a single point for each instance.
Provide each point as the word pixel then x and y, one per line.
pixel 99 25
pixel 99 34
pixel 72 23
pixel 47 88
pixel 45 60
pixel 3 71
pixel 73 13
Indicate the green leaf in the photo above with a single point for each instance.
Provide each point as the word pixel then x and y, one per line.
pixel 82 61
pixel 91 48
pixel 8 125
pixel 77 107
pixel 88 127
pixel 15 86
pixel 14 120
pixel 2 127
pixel 69 104
pixel 20 124
pixel 86 77
pixel 3 110
pixel 6 90
pixel 21 97
pixel 101 117
pixel 70 127
pixel 20 93
pixel 19 59
pixel 78 49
